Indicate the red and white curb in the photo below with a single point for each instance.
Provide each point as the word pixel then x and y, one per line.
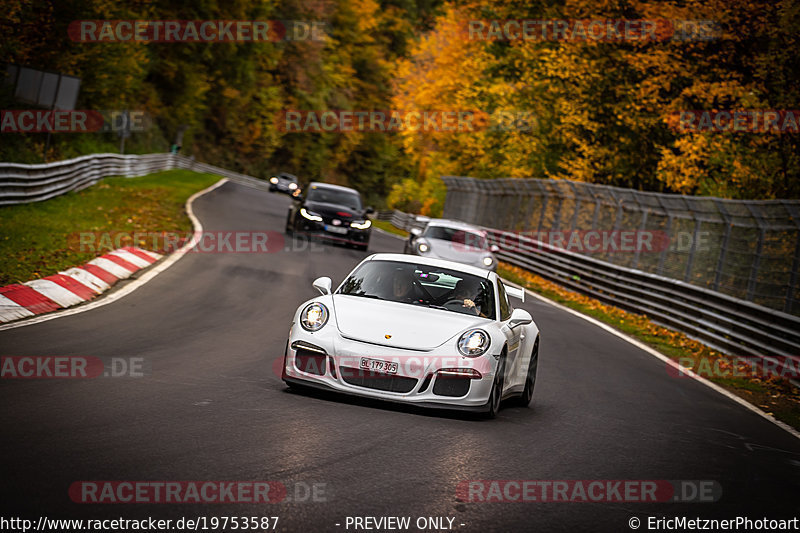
pixel 95 279
pixel 73 286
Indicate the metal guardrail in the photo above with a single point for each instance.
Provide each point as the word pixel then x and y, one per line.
pixel 730 325
pixel 748 249
pixel 20 183
pixel 403 221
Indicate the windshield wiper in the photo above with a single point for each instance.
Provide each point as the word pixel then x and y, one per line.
pixel 432 306
pixel 364 295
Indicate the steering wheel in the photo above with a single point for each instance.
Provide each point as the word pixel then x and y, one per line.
pixel 460 303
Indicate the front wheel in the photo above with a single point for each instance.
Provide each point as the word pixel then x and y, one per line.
pixel 525 398
pixel 496 395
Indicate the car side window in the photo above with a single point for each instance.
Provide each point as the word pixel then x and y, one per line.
pixel 505 308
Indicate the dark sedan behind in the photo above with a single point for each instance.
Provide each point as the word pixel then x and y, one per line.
pixel 332 212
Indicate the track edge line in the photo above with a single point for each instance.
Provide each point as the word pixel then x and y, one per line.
pixel 658 355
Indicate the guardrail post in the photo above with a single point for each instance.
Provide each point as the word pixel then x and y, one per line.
pixel 662 258
pixel 723 251
pixel 642 228
pixel 690 262
pixel 557 219
pixel 794 213
pixel 597 203
pixel 617 221
pixel 531 202
pixel 788 306
pixel 574 221
pixel 756 265
pixel 519 218
pixel 545 198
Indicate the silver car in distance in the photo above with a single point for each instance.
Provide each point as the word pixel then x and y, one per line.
pixel 416 330
pixel 454 241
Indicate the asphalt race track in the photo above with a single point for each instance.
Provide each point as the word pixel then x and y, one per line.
pixel 210 407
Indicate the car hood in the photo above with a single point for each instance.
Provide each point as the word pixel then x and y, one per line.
pixel 410 327
pixel 334 211
pixel 452 251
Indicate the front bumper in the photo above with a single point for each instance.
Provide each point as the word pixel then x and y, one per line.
pixel 318 230
pixel 280 187
pixel 333 362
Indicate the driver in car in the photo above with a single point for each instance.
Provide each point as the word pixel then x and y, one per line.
pixel 402 286
pixel 465 293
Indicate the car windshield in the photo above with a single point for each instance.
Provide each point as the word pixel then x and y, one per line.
pixel 423 285
pixel 334 196
pixel 458 236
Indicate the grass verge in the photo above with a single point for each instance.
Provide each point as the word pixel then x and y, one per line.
pixel 41 238
pixel 771 393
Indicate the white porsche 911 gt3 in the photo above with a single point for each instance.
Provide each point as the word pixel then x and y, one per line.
pixel 416 330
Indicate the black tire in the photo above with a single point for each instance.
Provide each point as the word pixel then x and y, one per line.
pixel 524 399
pixel 496 395
pixel 289 230
pixel 296 387
pixel 283 368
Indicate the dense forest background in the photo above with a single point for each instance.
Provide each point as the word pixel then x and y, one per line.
pixel 597 111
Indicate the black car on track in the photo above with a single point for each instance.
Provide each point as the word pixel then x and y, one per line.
pixel 331 212
pixel 284 182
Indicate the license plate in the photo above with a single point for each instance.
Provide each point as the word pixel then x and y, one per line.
pixel 378 366
pixel 335 229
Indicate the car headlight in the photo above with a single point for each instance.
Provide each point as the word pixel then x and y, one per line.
pixel 314 316
pixel 310 216
pixel 474 342
pixel 361 225
pixel 488 260
pixel 273 180
pixel 292 186
pixel 422 247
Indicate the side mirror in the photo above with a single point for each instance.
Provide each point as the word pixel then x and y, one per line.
pixel 519 317
pixel 369 210
pixel 494 248
pixel 416 232
pixel 323 285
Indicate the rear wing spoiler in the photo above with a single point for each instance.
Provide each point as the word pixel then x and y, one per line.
pixel 516 292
